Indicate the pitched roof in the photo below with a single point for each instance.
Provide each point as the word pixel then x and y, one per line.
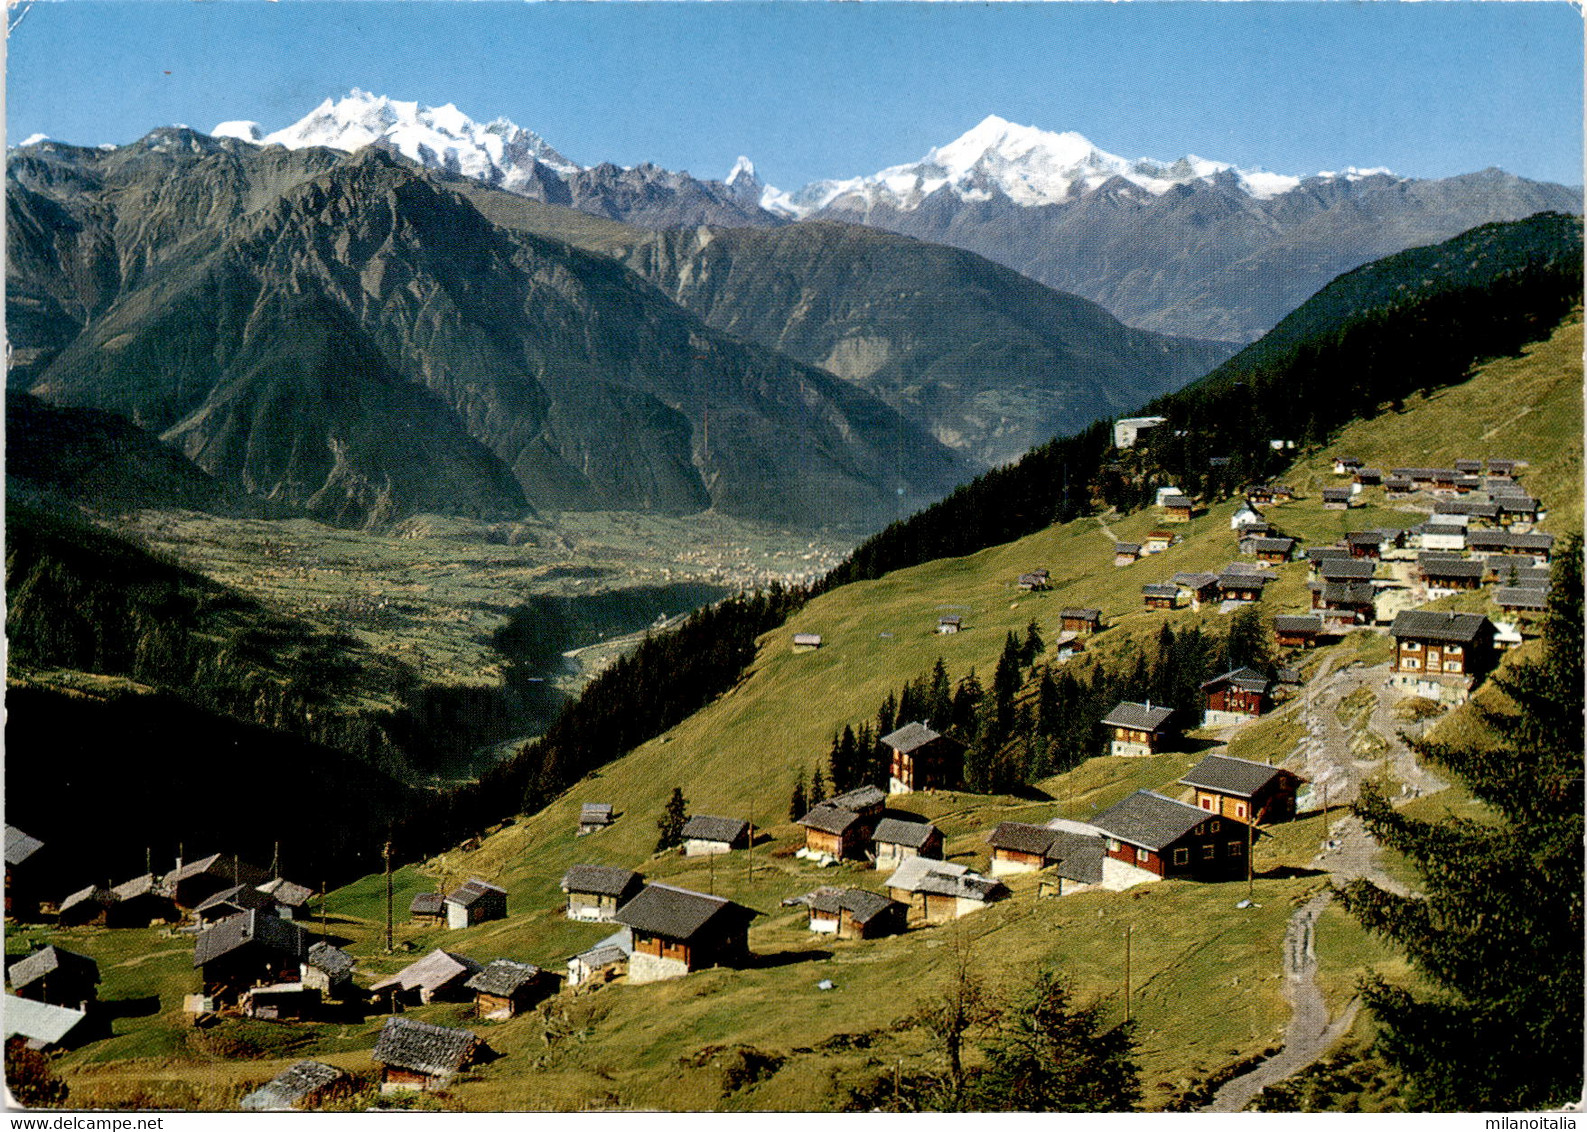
pixel 290 1086
pixel 503 977
pixel 1243 580
pixel 1273 545
pixel 1452 568
pixel 1320 553
pixel 1247 679
pixel 595 812
pixel 706 827
pixel 238 896
pixel 437 1051
pixel 1194 581
pixel 1174 501
pixel 1079 856
pixel 1080 614
pixel 894 831
pixel 1520 597
pixel 1021 837
pixel 1225 774
pixel 910 872
pixel 472 891
pixel 909 737
pixel 1336 494
pixel 1365 538
pixel 138 886
pixel 1290 623
pixel 222 865
pixel 863 906
pixel 807 638
pixel 287 893
pixel 1346 569
pixel 1137 717
pixel 950 619
pixel 827 818
pixel 860 798
pixel 1345 593
pixel 19 846
pixel 613 949
pixel 966 886
pixel 1432 625
pixel 332 960
pixel 427 904
pixel 602 880
pixel 678 913
pixel 47 961
pixel 41 1023
pixel 1126 548
pixel 93 894
pixel 271 932
pixel 1531 540
pixel 432 971
pixel 1149 820
pixel 1160 589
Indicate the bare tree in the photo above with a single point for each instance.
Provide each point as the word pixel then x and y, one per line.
pixel 964 1005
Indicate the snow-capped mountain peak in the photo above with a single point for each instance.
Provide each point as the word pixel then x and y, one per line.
pixel 499 153
pixel 1028 165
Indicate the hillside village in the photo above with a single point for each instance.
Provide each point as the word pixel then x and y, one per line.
pixel 1386 591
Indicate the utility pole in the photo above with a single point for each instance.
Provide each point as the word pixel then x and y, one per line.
pixel 275 862
pixel 1128 931
pixel 1325 811
pixel 1250 872
pixel 386 853
pixel 325 897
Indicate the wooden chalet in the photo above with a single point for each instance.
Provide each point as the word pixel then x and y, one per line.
pixel 832 831
pixel 676 931
pixel 291 900
pixel 806 642
pixel 57 976
pixel 1318 556
pixel 1365 544
pixel 921 759
pixel 43 1025
pixel 1501 469
pixel 279 1001
pixel 1244 790
pixel 1172 839
pixel 1520 599
pixel 1126 553
pixel 1468 467
pixel 1338 499
pixel 1346 465
pixel 594 817
pixel 1441 655
pixel 231 901
pixel 896 840
pixel 87 907
pixel 950 623
pixel 1082 621
pixel 473 902
pixel 417 1056
pixel 1199 586
pixel 705 834
pixel 328 970
pixel 1510 571
pixel 595 892
pixel 304 1086
pixel 1478 512
pixel 1138 729
pixel 1444 576
pixel 1516 509
pixel 1035 580
pixel 1238 585
pixel 1236 696
pixel 1158 541
pixel 1350 603
pixel 141 902
pixel 1397 486
pixel 1368 477
pixel 1269 493
pixel 1021 847
pixel 439 976
pixel 1276 550
pixel 854 913
pixel 1297 632
pixel 428 908
pixel 599 965
pixel 1439 533
pixel 247 950
pixel 1245 516
pixel 192 883
pixel 1160 596
pixel 1067 645
pixel 935 892
pixel 1534 544
pixel 1177 508
pixel 506 988
pixel 21 874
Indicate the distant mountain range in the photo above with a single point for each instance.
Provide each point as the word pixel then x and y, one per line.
pixel 1191 247
pixel 343 335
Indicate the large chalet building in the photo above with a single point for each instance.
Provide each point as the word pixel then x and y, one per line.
pixel 1242 789
pixel 921 759
pixel 676 931
pixel 1441 655
pixel 1172 839
pixel 1137 729
pixel 1236 696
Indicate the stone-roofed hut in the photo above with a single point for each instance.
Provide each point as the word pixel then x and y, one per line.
pixel 594 817
pixel 895 841
pixel 306 1085
pixel 141 902
pixel 938 891
pixel 437 977
pixel 57 976
pixel 474 902
pixel 415 1055
pixel 249 949
pixel 428 908
pixel 87 907
pixel 506 988
pixel 854 913
pixel 705 835
pixel 676 931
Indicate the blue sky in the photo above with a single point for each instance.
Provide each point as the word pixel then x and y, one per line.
pixel 810 90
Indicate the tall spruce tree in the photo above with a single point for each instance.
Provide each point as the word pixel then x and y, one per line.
pixel 669 827
pixel 1498 933
pixel 799 801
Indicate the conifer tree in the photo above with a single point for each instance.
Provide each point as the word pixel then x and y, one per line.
pixel 799 802
pixel 818 789
pixel 1032 646
pixel 1247 643
pixel 1498 933
pixel 669 827
pixel 939 701
pixel 887 716
pixel 843 763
